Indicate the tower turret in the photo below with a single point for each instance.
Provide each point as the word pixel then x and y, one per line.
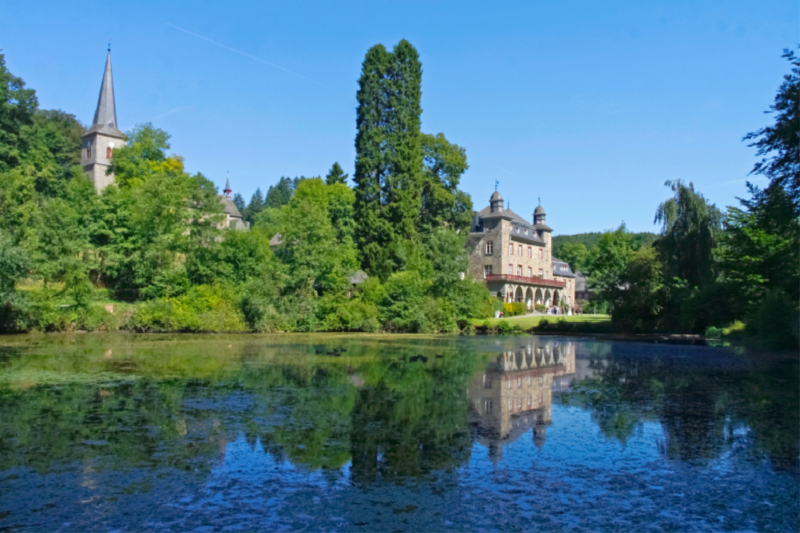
pixel 102 136
pixel 496 203
pixel 538 215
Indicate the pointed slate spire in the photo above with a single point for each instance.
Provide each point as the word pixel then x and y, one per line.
pixel 105 117
pixel 227 190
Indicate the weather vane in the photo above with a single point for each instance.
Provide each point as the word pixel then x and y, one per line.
pixel 109 45
pixel 540 200
pixel 496 183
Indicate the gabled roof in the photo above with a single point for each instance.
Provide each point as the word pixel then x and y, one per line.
pixel 105 116
pixel 230 207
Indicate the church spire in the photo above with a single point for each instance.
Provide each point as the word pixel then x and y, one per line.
pixel 105 116
pixel 227 190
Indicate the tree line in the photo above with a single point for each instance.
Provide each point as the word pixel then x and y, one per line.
pixel 152 243
pixel 710 267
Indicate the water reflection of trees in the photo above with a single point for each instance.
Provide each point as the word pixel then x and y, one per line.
pixel 705 401
pixel 144 407
pixel 179 404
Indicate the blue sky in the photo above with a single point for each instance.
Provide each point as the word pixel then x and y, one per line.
pixel 589 105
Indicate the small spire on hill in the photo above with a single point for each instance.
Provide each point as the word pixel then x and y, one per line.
pixel 227 189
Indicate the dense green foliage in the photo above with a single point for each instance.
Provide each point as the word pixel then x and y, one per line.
pixel 154 237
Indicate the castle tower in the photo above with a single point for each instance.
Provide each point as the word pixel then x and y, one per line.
pixel 103 136
pixel 539 215
pixel 496 203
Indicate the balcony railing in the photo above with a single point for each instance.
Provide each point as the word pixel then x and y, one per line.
pixel 526 279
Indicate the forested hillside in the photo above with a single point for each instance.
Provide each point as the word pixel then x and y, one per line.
pixel 592 238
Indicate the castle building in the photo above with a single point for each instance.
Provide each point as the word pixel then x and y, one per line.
pixel 514 257
pixel 103 136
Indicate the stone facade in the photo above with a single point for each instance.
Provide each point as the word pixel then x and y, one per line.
pixel 95 152
pixel 514 258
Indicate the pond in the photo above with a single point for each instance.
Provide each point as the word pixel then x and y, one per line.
pixel 394 433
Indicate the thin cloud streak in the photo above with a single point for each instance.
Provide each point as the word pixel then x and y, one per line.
pixel 243 53
pixel 171 111
pixel 506 171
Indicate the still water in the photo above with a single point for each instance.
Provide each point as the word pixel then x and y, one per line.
pixel 348 433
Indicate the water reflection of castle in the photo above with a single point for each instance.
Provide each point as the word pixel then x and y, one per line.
pixel 514 393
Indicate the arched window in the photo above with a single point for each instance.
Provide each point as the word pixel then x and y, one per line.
pixel 108 152
pixel 89 152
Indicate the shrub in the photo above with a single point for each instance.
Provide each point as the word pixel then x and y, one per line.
pixel 515 309
pixel 439 315
pixel 540 308
pixel 337 313
pixel 505 328
pixel 401 306
pixel 202 308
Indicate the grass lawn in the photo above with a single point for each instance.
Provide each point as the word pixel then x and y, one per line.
pixel 528 322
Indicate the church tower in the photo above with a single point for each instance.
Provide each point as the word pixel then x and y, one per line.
pixel 103 136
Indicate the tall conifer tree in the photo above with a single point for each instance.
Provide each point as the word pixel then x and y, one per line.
pixel 388 173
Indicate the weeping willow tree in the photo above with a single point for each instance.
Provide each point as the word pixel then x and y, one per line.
pixel 676 287
pixel 690 230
